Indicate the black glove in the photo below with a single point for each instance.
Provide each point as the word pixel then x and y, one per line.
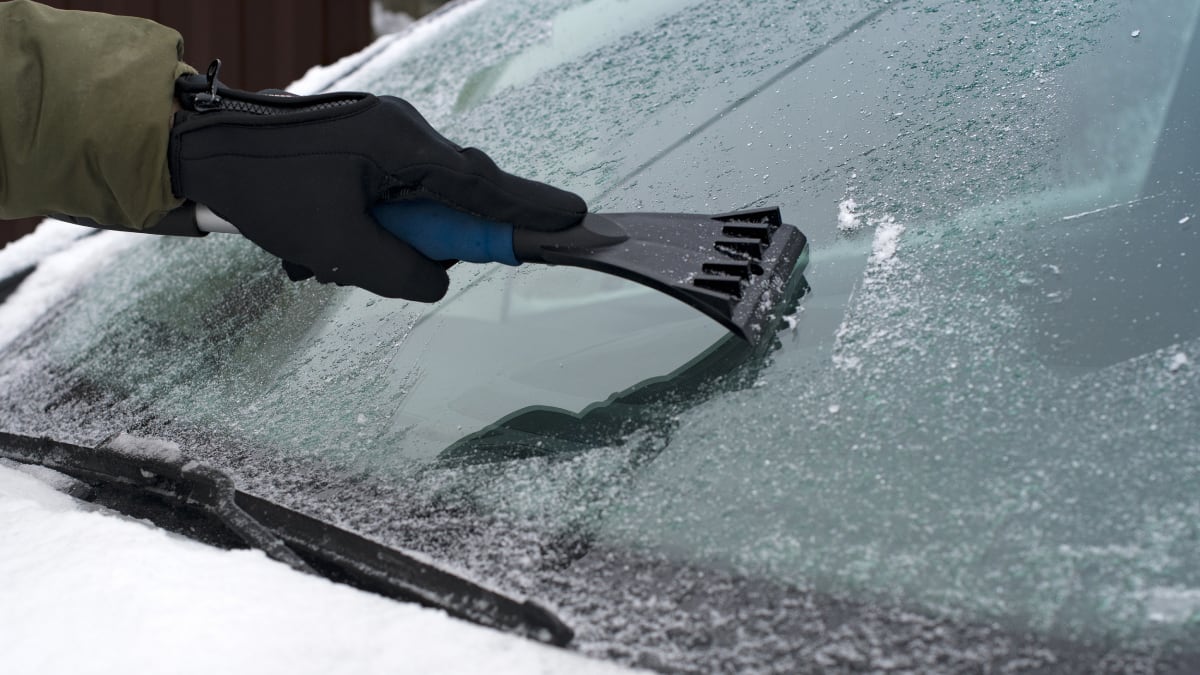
pixel 298 175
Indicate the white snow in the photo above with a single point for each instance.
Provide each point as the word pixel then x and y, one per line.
pixel 85 591
pixel 1178 361
pixel 142 446
pixel 398 33
pixel 848 218
pixel 58 481
pixel 887 241
pixel 58 273
pixel 49 237
pixel 792 321
pixel 385 52
pixel 318 78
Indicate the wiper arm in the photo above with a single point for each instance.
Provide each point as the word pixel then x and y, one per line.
pixel 159 468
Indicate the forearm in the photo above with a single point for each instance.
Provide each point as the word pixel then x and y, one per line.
pixel 85 117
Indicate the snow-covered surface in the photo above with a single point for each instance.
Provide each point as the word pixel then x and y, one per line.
pixel 379 57
pixel 85 591
pixel 151 448
pixel 49 237
pixel 66 261
pixel 887 241
pixel 398 33
pixel 318 78
pixel 848 218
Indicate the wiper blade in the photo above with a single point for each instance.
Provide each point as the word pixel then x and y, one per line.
pixel 159 468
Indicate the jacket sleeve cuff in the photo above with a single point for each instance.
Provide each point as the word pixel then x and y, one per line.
pixel 87 128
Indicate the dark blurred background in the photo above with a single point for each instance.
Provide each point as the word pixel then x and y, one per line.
pixel 261 43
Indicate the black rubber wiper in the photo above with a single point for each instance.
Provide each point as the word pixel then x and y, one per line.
pixel 157 469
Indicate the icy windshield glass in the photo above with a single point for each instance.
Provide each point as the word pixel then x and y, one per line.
pixel 984 409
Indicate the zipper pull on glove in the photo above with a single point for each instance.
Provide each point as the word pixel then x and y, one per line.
pixel 299 175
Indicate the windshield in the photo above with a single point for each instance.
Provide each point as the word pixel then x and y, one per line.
pixel 983 409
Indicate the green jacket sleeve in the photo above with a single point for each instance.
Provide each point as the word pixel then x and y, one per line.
pixel 85 110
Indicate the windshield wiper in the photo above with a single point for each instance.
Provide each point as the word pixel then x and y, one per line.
pixel 151 468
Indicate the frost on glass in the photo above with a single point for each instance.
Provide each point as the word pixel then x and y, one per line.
pixel 942 429
pixel 589 123
pixel 977 439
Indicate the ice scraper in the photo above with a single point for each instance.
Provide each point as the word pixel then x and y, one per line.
pixel 733 267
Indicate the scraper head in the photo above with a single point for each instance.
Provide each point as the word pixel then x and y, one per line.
pixel 733 267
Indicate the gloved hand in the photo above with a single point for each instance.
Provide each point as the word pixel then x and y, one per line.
pixel 298 175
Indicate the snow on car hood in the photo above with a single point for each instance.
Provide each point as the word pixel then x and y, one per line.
pixel 88 591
